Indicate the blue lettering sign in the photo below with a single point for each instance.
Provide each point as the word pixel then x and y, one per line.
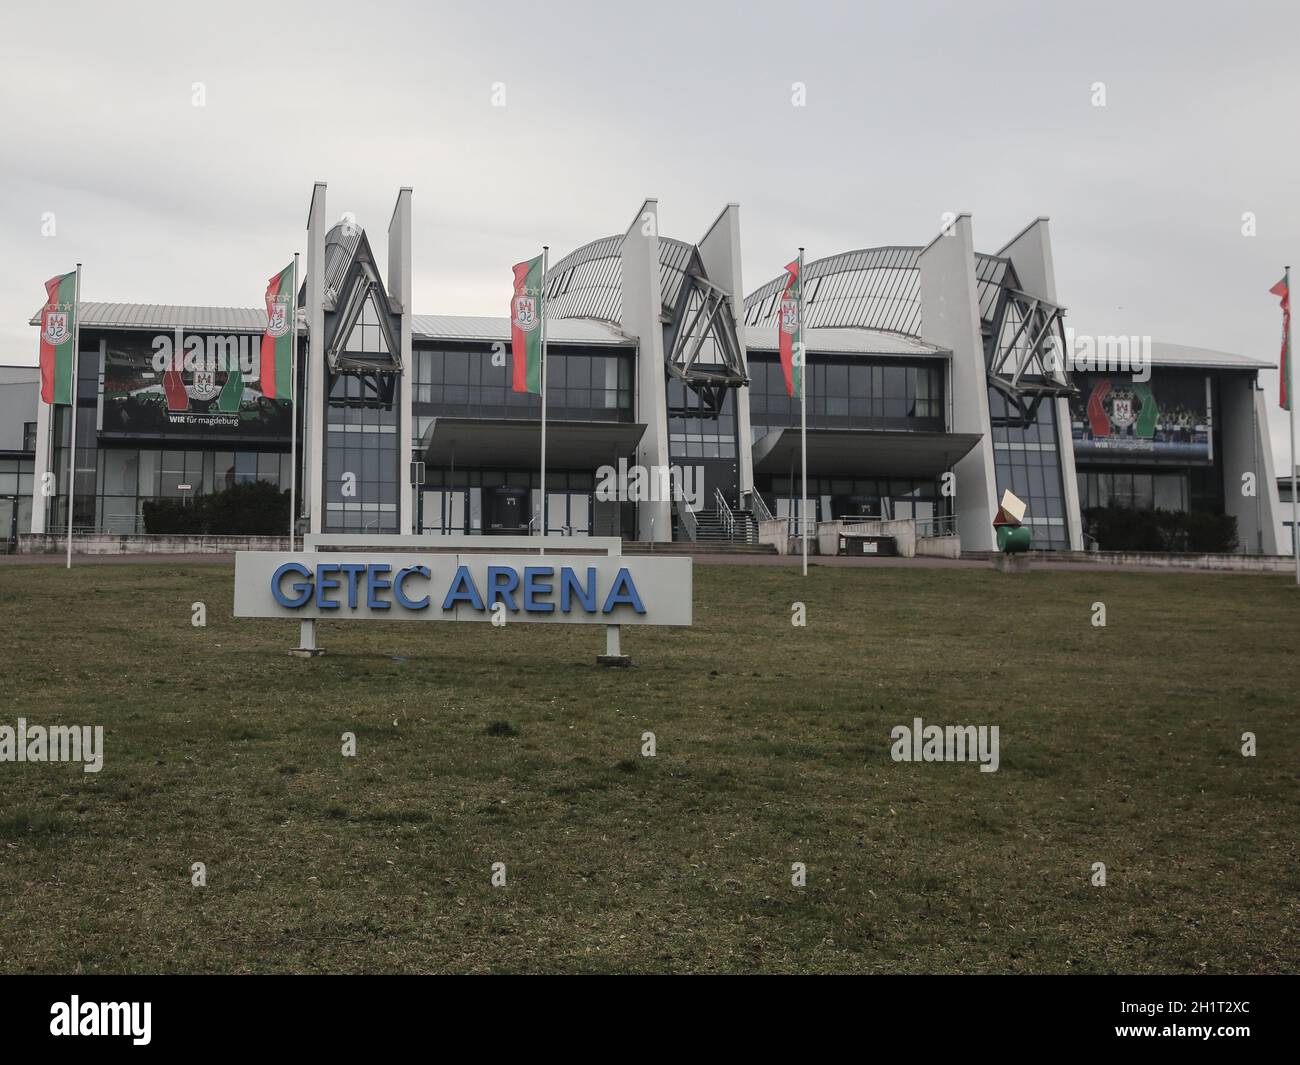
pixel 399 588
pixel 502 582
pixel 352 569
pixel 623 591
pixel 569 585
pixel 324 584
pixel 463 590
pixel 533 587
pixel 376 584
pixel 302 589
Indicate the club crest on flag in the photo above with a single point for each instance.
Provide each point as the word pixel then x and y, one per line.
pixel 526 313
pixel 789 315
pixel 56 327
pixel 277 316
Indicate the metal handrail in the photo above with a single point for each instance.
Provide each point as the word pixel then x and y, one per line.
pixel 759 506
pixel 690 523
pixel 940 525
pixel 724 511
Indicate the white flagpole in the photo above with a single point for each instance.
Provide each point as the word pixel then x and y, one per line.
pixel 803 419
pixel 1289 370
pixel 293 404
pixel 76 367
pixel 542 303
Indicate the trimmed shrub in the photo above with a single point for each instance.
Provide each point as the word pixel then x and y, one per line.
pixel 254 509
pixel 1127 529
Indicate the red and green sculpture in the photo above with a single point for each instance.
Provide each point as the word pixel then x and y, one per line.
pixel 1013 537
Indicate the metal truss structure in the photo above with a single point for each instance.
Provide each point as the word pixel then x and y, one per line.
pixel 1024 351
pixel 879 289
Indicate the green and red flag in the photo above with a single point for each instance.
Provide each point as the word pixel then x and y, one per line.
pixel 525 327
pixel 790 330
pixel 58 333
pixel 277 340
pixel 1283 290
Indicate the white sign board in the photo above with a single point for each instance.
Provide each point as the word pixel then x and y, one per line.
pixel 385 586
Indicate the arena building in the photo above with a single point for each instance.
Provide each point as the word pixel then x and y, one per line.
pixel 937 377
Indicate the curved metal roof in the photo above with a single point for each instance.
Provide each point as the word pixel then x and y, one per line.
pixel 871 288
pixel 588 282
pixel 340 246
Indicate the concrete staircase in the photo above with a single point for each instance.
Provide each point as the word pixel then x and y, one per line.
pixel 712 528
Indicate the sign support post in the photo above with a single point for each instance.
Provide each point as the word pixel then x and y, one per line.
pixel 306 640
pixel 613 655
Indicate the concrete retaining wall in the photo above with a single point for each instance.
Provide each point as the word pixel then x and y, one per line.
pixel 903 530
pixel 827 539
pixel 939 546
pixel 775 532
pixel 1226 563
pixel 145 544
pixel 1233 563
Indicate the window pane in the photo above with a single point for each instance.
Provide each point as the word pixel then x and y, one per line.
pixel 120 472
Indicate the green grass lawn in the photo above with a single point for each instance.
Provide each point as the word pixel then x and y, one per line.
pixel 479 745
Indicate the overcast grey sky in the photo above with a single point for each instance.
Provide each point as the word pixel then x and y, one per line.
pixel 913 109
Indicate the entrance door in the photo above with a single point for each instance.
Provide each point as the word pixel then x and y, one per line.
pixel 567 513
pixel 557 512
pixel 580 514
pixel 443 513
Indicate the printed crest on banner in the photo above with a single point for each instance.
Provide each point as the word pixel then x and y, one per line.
pixel 203 386
pixel 526 313
pixel 1122 412
pixel 277 312
pixel 56 327
pixel 789 315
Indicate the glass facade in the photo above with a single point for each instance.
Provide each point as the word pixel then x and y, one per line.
pixel 363 459
pixel 1170 460
pixel 831 498
pixel 581 385
pixel 87 457
pixel 850 393
pixel 503 501
pixel 695 432
pixel 16 473
pixel 1027 461
pixel 1193 490
pixel 112 483
pixel 127 476
pixel 1162 459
